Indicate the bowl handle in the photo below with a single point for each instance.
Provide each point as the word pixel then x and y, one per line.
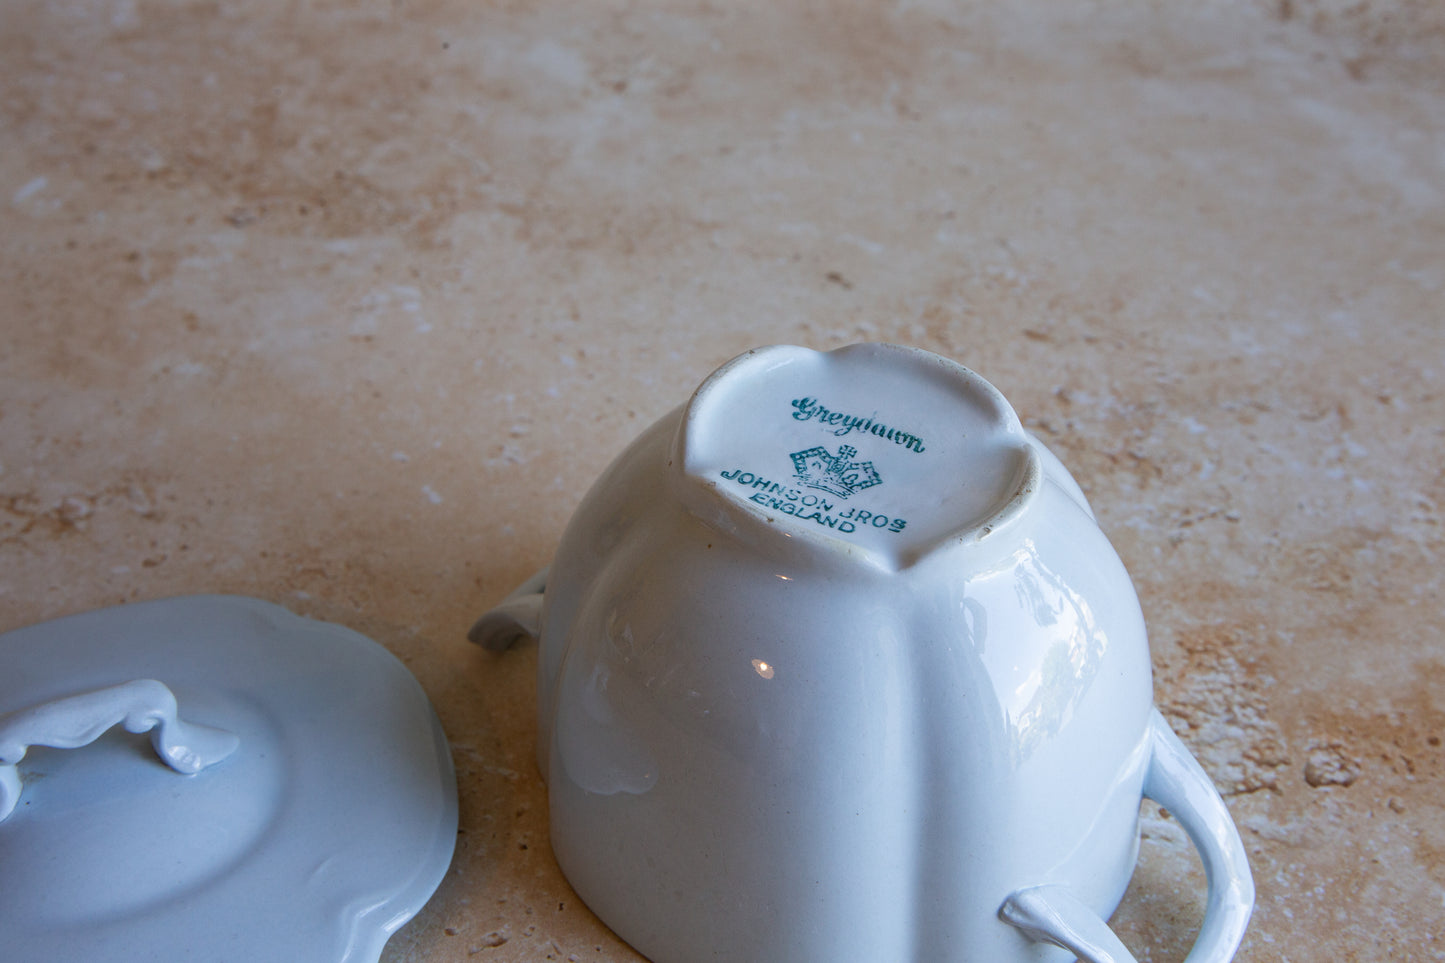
pixel 78 720
pixel 1053 914
pixel 516 617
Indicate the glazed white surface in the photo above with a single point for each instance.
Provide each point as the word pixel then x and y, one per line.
pixel 886 460
pixel 763 744
pixel 326 827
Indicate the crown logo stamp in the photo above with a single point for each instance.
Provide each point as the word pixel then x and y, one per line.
pixel 835 474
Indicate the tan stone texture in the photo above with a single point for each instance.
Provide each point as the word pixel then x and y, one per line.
pixel 344 305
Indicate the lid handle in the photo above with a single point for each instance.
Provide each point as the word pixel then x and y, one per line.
pixel 78 720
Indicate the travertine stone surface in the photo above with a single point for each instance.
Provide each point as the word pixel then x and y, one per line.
pixel 343 305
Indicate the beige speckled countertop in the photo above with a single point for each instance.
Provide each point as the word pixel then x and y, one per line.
pixel 343 305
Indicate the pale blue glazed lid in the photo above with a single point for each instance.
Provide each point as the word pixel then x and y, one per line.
pixel 322 817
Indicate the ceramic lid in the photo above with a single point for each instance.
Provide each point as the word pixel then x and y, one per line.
pixel 883 452
pixel 284 790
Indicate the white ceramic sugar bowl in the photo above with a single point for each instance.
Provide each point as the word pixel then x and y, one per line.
pixel 836 665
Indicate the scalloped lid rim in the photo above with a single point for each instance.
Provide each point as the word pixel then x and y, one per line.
pixel 111 856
